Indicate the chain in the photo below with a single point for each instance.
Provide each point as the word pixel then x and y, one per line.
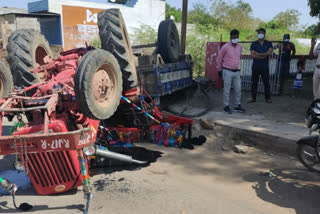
pixel 15 147
pixel 23 148
pixel 25 153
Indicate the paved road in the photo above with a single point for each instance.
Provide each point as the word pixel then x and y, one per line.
pixel 205 180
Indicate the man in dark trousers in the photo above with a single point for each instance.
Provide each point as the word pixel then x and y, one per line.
pixel 260 52
pixel 287 50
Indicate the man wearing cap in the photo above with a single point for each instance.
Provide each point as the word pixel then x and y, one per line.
pixel 260 52
pixel 228 61
pixel 316 75
pixel 286 51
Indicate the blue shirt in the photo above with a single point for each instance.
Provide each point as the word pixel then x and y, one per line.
pixel 261 49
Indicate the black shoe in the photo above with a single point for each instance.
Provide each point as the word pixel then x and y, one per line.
pixel 239 109
pixel 268 100
pixel 252 100
pixel 227 110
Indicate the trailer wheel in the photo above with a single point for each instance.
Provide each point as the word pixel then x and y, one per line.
pixel 168 41
pixel 26 49
pixel 98 84
pixel 114 38
pixel 6 83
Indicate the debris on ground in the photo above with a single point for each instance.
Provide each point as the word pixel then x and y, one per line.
pixel 196 126
pixel 207 124
pixel 226 148
pixel 268 174
pixel 241 149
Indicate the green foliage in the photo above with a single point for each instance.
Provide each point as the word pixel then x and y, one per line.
pixel 314 8
pixel 172 11
pixel 313 31
pixel 95 42
pixel 144 35
pixel 200 15
pixel 288 19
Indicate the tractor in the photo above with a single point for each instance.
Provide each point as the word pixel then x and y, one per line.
pixel 67 109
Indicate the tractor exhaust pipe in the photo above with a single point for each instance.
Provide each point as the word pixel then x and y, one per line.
pixel 117 156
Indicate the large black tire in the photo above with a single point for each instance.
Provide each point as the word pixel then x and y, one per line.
pixel 95 99
pixel 300 150
pixel 26 49
pixel 114 38
pixel 6 83
pixel 168 41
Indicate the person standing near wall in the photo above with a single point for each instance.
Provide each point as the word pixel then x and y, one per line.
pixel 228 62
pixel 287 50
pixel 316 75
pixel 260 52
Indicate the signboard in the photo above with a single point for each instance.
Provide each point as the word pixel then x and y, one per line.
pixel 211 63
pixel 79 25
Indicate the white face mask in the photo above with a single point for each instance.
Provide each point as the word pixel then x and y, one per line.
pixel 234 41
pixel 286 40
pixel 260 36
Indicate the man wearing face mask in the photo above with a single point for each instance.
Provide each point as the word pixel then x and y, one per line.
pixel 260 52
pixel 228 62
pixel 316 74
pixel 286 51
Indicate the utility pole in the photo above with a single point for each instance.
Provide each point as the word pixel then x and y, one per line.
pixel 184 27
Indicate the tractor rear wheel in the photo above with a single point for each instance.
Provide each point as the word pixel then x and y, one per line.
pixel 6 83
pixel 98 84
pixel 114 38
pixel 26 50
pixel 168 41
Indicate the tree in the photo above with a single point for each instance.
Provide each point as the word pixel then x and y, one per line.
pixel 288 19
pixel 313 30
pixel 200 15
pixel 314 8
pixel 233 15
pixel 172 11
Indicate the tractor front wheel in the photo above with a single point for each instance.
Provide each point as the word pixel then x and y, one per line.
pixel 98 84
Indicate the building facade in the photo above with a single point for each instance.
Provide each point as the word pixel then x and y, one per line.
pixel 77 20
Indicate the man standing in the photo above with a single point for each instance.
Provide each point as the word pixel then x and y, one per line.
pixel 260 52
pixel 228 62
pixel 287 50
pixel 316 74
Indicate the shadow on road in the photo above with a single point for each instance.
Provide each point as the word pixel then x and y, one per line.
pixel 288 188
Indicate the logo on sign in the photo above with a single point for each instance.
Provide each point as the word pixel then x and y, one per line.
pixel 92 17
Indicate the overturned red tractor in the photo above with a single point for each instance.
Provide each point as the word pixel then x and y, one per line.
pixel 58 104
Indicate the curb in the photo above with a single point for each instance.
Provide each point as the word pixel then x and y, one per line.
pixel 265 141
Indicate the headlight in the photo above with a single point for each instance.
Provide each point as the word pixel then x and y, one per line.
pixel 89 150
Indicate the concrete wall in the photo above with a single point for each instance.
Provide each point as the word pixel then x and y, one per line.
pixel 10 23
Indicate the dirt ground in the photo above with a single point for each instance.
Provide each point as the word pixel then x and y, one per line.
pixel 283 108
pixel 210 179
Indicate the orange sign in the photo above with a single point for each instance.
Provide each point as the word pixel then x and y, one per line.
pixel 79 26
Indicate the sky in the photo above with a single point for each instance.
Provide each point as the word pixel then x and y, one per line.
pixel 263 9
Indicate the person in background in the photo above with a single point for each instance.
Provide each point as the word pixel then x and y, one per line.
pixel 260 52
pixel 316 75
pixel 287 50
pixel 298 80
pixel 228 61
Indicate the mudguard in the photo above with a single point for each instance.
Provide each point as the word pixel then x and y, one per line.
pixel 309 140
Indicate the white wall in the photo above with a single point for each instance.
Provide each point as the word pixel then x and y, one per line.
pixel 147 12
